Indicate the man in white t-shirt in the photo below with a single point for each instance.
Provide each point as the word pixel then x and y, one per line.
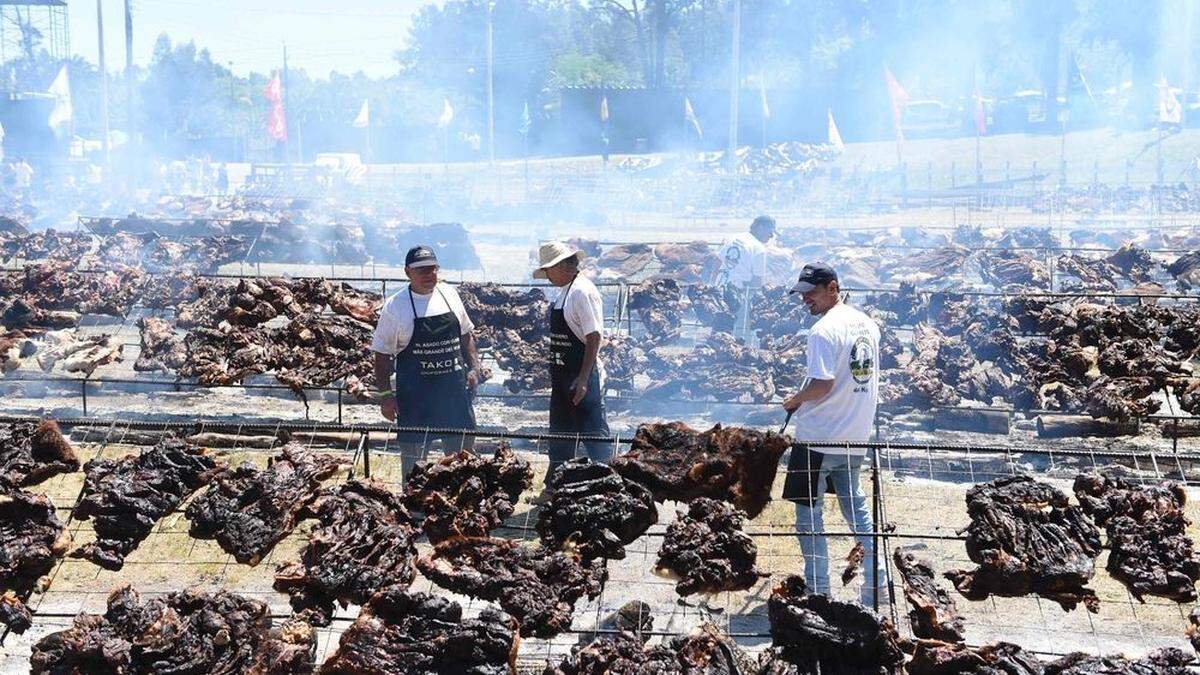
pixel 744 264
pixel 576 372
pixel 836 404
pixel 424 337
pixel 744 256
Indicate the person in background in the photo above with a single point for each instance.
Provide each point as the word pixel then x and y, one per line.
pixel 424 337
pixel 837 404
pixel 743 256
pixel 744 266
pixel 576 372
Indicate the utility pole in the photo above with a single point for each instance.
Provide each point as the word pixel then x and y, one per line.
pixel 287 116
pixel 734 71
pixel 103 86
pixel 129 68
pixel 491 102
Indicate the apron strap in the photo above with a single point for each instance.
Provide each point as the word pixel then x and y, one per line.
pixel 566 290
pixel 414 305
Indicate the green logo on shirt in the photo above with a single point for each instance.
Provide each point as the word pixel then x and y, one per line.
pixel 862 360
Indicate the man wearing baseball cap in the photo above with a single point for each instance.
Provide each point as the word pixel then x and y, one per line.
pixel 424 337
pixel 836 404
pixel 576 372
pixel 744 266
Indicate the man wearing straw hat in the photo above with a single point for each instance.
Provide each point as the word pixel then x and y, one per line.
pixel 576 373
pixel 836 404
pixel 424 337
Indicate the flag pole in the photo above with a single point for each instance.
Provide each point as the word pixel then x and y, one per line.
pixel 978 172
pixel 735 54
pixel 491 101
pixel 103 85
pixel 287 116
pixel 1158 170
pixel 762 90
pixel 368 130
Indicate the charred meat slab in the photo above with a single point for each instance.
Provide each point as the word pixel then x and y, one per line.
pixel 248 510
pixel 505 309
pixel 536 585
pixel 715 306
pixel 160 348
pixel 659 304
pixel 126 497
pixel 933 657
pixel 466 494
pixel 933 615
pixel 814 631
pixel 594 511
pixel 705 650
pixel 190 631
pixel 1164 661
pixel 706 549
pixel 32 539
pixel 1027 538
pixel 1149 550
pixel 406 633
pixel 31 452
pixel 363 544
pixel 679 463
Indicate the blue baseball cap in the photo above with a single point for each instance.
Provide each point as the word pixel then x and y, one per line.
pixel 813 275
pixel 420 256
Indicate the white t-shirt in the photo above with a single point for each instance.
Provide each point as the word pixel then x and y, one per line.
pixel 843 346
pixel 583 308
pixel 395 327
pixel 743 261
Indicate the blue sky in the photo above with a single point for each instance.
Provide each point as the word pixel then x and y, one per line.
pixel 322 35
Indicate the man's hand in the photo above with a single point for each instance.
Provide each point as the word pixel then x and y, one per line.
pixel 579 389
pixel 792 403
pixel 472 379
pixel 387 407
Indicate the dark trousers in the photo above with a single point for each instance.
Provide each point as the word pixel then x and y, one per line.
pixel 587 418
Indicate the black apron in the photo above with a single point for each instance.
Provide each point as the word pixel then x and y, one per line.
pixel 566 360
pixel 803 471
pixel 431 376
pixel 566 350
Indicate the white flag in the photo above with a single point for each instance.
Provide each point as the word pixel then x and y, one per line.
pixel 364 116
pixel 689 116
pixel 835 138
pixel 447 114
pixel 1169 109
pixel 62 114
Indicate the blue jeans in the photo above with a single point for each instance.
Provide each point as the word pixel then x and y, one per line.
pixel 845 472
pixel 586 419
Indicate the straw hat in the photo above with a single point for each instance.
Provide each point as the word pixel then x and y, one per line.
pixel 552 253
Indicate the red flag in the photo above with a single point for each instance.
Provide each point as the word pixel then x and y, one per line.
pixel 899 100
pixel 980 114
pixel 276 117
